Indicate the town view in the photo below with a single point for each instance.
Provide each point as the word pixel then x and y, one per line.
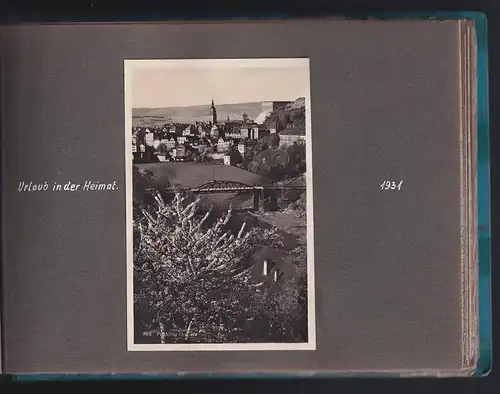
pixel 219 218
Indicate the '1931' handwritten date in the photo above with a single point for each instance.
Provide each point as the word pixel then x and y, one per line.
pixel 391 185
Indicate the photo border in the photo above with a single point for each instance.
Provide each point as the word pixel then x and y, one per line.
pixel 129 66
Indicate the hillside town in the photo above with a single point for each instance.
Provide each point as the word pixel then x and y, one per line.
pixel 228 141
pixel 249 174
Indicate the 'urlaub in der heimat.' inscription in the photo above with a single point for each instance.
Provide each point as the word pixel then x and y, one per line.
pixel 68 186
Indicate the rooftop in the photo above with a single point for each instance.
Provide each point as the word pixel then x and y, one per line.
pixel 293 131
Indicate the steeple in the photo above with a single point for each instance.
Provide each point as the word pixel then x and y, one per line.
pixel 213 112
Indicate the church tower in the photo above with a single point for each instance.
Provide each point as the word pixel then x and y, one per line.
pixel 213 112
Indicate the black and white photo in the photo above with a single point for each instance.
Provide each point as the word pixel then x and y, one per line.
pixel 219 205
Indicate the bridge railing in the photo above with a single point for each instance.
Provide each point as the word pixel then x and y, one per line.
pixel 230 187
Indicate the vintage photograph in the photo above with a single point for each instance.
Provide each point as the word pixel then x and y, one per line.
pixel 219 205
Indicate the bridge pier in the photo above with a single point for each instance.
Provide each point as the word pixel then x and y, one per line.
pixel 258 200
pixel 273 201
pixel 265 200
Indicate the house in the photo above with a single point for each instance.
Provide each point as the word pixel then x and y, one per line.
pixel 170 144
pixel 234 135
pixel 162 156
pixel 179 153
pixel 232 130
pixel 178 129
pixel 232 158
pixel 262 133
pixel 189 130
pixel 245 132
pixel 244 147
pixel 254 133
pixel 214 132
pixel 203 130
pixel 223 145
pixel 273 266
pixel 206 141
pixel 149 139
pixel 200 147
pixel 290 135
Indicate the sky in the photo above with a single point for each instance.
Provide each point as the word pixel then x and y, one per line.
pixel 179 87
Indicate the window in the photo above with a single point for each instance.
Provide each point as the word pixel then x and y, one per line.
pixel 265 267
pixel 275 278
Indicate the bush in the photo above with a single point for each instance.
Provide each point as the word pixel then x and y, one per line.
pixel 279 163
pixel 295 117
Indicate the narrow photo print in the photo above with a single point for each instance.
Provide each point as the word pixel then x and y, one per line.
pixel 219 205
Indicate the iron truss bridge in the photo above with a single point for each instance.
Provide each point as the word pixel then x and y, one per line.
pixel 225 187
pixel 232 187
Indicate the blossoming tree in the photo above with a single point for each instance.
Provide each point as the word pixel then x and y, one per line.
pixel 192 274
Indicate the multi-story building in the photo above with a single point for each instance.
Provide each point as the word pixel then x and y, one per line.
pixel 250 132
pixel 290 135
